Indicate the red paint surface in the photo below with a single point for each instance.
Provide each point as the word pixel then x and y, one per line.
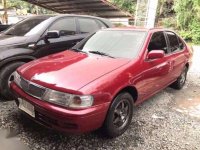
pixel 100 76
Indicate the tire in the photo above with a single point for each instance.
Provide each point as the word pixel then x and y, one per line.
pixel 114 127
pixel 180 82
pixel 5 77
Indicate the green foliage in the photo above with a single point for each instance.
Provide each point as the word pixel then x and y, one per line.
pixel 188 19
pixel 169 22
pixel 186 35
pixel 127 5
pixel 165 8
pixel 195 31
pixel 19 4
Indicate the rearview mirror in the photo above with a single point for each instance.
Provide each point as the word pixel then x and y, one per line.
pixel 155 54
pixel 53 34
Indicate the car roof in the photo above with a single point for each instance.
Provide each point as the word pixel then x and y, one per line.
pixel 57 16
pixel 65 15
pixel 133 28
pixel 75 15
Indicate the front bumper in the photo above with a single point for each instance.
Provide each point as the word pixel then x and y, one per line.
pixel 63 119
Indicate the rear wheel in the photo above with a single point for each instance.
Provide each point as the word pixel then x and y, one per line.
pixel 119 115
pixel 6 77
pixel 180 82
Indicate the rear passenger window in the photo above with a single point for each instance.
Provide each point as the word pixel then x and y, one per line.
pixel 66 26
pixel 158 42
pixel 87 25
pixel 173 41
pixel 181 44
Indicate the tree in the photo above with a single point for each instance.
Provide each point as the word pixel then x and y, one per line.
pixel 126 5
pixel 18 4
pixel 188 18
pixel 165 8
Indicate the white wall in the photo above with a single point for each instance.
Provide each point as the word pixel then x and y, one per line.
pixel 124 21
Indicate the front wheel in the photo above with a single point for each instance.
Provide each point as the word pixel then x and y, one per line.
pixel 180 82
pixel 6 77
pixel 119 115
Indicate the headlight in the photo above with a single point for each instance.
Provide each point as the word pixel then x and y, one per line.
pixel 17 78
pixel 68 100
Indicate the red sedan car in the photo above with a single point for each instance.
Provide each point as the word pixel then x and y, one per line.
pixel 97 83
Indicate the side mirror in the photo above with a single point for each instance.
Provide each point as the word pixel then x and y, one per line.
pixel 53 34
pixel 155 54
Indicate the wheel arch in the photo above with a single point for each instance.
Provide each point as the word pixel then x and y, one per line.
pixel 131 90
pixel 15 59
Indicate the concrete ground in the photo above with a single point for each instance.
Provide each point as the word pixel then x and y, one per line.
pixel 169 120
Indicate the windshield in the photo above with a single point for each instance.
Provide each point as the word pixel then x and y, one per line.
pixel 115 43
pixel 27 26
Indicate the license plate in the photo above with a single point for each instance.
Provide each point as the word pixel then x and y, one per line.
pixel 26 107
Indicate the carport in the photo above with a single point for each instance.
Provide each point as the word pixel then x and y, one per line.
pixel 101 8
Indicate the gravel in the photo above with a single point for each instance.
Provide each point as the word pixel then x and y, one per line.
pixel 163 122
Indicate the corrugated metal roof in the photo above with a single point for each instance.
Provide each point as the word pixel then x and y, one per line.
pixel 101 8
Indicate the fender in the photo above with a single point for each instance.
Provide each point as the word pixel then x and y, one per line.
pixel 131 88
pixel 8 52
pixel 10 55
pixel 24 58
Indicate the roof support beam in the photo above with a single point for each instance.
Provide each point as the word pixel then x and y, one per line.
pixel 58 1
pixel 85 8
pixel 89 7
pixel 74 3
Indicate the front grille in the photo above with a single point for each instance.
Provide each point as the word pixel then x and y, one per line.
pixel 32 88
pixel 46 120
pixel 49 122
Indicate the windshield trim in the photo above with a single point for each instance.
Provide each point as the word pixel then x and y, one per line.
pixel 143 43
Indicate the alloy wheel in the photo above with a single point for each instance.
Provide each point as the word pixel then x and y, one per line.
pixel 121 114
pixel 182 78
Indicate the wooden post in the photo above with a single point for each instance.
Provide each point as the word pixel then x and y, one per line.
pixel 5 11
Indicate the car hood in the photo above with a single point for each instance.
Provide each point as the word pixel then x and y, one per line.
pixel 69 70
pixel 9 40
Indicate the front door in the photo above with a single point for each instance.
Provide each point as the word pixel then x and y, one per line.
pixel 156 72
pixel 68 37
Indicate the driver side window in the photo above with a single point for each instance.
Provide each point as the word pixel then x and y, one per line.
pixel 158 42
pixel 66 26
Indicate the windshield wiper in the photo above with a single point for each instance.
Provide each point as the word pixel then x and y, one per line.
pixel 101 53
pixel 78 50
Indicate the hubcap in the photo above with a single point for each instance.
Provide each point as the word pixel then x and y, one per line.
pixel 121 114
pixel 182 78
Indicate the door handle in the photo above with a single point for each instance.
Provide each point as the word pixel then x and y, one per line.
pixel 171 65
pixel 159 68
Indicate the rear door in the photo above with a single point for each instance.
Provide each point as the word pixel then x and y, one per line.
pixel 177 54
pixel 87 26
